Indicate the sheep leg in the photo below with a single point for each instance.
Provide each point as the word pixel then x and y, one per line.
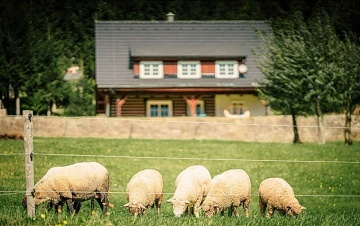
pixel 196 208
pixel 100 203
pixel 103 202
pixel 270 211
pixel 246 207
pixel 92 205
pixel 77 206
pixel 262 207
pixel 222 213
pixel 158 205
pixel 70 206
pixel 234 210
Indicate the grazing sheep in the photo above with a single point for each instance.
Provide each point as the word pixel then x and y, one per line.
pixel 144 190
pixel 78 182
pixel 277 194
pixel 191 187
pixel 228 190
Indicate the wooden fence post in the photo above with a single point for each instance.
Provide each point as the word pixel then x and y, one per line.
pixel 29 161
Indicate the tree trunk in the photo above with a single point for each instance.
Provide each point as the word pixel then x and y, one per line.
pixel 296 130
pixel 320 124
pixel 347 130
pixel 17 103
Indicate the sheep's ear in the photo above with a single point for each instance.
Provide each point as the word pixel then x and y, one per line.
pixel 126 205
pixel 170 200
pixel 187 202
pixel 303 208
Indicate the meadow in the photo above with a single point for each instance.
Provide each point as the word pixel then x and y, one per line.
pixel 325 178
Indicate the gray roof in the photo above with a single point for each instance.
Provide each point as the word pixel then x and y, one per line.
pixel 118 41
pixel 176 50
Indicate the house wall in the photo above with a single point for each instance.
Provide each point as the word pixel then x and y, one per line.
pixel 135 105
pixel 208 67
pixel 250 103
pixel 257 129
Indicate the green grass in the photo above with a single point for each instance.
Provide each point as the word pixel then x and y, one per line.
pixel 329 190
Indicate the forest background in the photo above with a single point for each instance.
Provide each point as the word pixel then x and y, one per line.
pixel 41 39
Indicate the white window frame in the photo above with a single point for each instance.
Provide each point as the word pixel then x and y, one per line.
pixel 226 69
pixel 152 72
pixel 149 103
pixel 192 69
pixel 202 108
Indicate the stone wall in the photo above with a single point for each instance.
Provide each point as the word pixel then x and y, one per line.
pixel 261 129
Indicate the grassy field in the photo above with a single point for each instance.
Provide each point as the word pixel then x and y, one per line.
pixel 325 178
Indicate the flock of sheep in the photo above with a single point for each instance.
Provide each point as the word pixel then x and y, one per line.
pixel 195 190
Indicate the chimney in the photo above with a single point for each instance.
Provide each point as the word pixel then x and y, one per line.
pixel 170 17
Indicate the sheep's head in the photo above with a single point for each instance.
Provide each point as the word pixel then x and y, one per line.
pixel 40 197
pixel 210 209
pixel 135 208
pixel 179 206
pixel 294 209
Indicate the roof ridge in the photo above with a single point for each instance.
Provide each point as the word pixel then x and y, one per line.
pixel 179 21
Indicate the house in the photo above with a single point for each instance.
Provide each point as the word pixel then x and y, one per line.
pixel 177 68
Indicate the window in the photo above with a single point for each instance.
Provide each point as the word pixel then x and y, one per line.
pixel 226 69
pixel 200 108
pixel 238 108
pixel 159 108
pixel 151 69
pixel 188 69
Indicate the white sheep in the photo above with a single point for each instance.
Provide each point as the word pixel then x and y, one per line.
pixel 78 182
pixel 277 194
pixel 228 190
pixel 144 190
pixel 191 187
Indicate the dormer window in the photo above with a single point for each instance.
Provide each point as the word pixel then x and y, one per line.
pixel 226 69
pixel 189 69
pixel 151 69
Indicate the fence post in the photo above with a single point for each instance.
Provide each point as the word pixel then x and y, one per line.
pixel 29 161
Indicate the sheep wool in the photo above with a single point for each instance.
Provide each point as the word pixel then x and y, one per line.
pixel 144 190
pixel 228 190
pixel 277 194
pixel 191 187
pixel 78 182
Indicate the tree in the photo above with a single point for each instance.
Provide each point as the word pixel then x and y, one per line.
pixel 324 71
pixel 306 66
pixel 283 61
pixel 349 84
pixel 81 101
pixel 14 55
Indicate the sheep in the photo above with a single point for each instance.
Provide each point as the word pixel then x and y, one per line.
pixel 229 189
pixel 277 194
pixel 144 190
pixel 191 187
pixel 78 182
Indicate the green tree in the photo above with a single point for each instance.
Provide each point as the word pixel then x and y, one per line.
pixel 309 69
pixel 283 61
pixel 348 85
pixel 324 71
pixel 81 101
pixel 14 55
